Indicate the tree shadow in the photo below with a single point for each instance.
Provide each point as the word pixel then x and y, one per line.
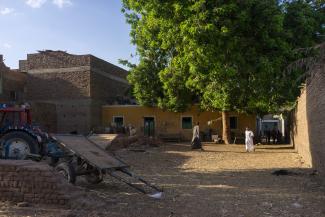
pixel 191 191
pixel 289 147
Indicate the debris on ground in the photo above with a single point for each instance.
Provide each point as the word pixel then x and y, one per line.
pixel 284 173
pixel 114 142
pixel 137 150
pixel 297 205
pixel 146 142
pixel 23 204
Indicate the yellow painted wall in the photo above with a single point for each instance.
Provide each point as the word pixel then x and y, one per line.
pixel 171 122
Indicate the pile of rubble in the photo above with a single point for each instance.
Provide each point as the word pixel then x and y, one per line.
pixel 113 142
pixel 133 142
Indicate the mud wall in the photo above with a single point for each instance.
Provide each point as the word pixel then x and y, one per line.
pixel 300 134
pixel 308 135
pixel 32 182
pixel 171 122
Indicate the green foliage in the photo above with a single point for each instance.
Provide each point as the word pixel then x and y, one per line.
pixel 303 22
pixel 226 55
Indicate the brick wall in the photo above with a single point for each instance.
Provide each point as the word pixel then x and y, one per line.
pixel 55 59
pixel 103 88
pixel 74 115
pixel 309 120
pixel 107 80
pixel 58 75
pixel 77 85
pixel 107 67
pixel 58 85
pixel 12 85
pixel 65 116
pixel 45 115
pixel 31 182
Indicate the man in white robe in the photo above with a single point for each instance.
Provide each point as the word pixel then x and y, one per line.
pixel 196 142
pixel 249 142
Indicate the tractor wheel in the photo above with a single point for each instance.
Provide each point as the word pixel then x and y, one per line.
pixel 18 145
pixel 94 177
pixel 67 171
pixel 52 161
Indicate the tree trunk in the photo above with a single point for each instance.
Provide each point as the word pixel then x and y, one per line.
pixel 225 127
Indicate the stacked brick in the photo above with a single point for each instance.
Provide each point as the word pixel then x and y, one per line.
pixel 31 182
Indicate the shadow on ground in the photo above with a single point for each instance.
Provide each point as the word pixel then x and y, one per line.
pixel 219 182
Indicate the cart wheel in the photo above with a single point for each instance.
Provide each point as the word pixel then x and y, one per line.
pixel 95 177
pixel 67 171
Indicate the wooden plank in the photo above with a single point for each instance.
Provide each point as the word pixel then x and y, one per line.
pixel 89 151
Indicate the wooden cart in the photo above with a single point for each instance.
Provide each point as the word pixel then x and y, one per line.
pixel 83 157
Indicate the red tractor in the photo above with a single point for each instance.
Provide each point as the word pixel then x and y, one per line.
pixel 19 139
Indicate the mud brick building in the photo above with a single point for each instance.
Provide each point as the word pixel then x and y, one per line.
pixel 12 84
pixel 67 91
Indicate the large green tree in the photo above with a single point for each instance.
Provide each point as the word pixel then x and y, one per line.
pixel 227 55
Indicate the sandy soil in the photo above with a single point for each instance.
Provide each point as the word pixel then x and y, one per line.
pixel 222 181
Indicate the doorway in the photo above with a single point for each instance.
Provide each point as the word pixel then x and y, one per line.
pixel 149 126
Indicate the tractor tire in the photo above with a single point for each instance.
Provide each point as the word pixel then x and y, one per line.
pixel 95 177
pixel 67 171
pixel 18 145
pixel 52 161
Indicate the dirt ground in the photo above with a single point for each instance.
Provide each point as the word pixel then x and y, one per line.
pixel 222 181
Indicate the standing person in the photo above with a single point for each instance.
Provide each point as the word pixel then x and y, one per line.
pixel 279 137
pixel 274 135
pixel 249 143
pixel 196 142
pixel 267 135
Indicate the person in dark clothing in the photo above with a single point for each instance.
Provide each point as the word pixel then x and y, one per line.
pixel 267 133
pixel 274 135
pixel 279 137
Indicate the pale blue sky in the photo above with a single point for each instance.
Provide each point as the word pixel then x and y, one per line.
pixel 94 27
